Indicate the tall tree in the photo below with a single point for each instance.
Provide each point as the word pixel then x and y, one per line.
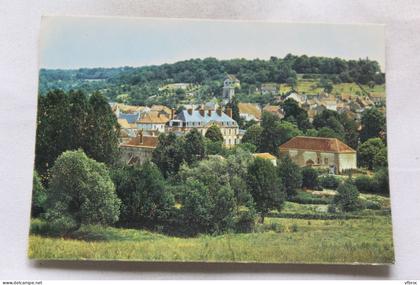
pixel 373 125
pixel 293 112
pixel 290 175
pixel 194 146
pixel 253 135
pixel 169 154
pixel 52 133
pixel 265 187
pixel 103 130
pixel 275 132
pixel 214 134
pixel 372 154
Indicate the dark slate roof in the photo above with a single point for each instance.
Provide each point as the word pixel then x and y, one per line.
pixel 131 118
pixel 197 117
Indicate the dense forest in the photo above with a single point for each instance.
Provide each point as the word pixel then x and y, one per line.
pixel 141 83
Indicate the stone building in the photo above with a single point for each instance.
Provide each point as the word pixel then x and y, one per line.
pixel 139 149
pixel 329 153
pixel 202 119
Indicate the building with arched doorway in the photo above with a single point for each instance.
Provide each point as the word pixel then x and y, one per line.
pixel 329 153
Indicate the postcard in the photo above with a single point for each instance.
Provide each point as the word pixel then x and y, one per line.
pixel 211 141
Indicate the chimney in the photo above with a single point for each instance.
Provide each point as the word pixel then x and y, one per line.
pixel 219 111
pixel 202 112
pixel 172 113
pixel 140 137
pixel 229 112
pixel 189 111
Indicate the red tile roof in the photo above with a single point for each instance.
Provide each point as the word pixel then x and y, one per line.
pixel 317 144
pixel 144 142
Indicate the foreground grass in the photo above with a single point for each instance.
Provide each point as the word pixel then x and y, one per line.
pixel 367 240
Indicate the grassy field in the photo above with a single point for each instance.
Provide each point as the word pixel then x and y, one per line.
pixel 365 240
pixel 310 86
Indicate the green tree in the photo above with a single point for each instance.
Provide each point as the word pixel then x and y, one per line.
pixel 290 174
pixel 294 113
pixel 235 111
pixel 372 153
pixel 347 197
pixel 39 196
pixel 194 146
pixel 310 178
pixel 80 192
pixel 145 199
pixel 253 135
pixel 169 154
pixel 326 132
pixel 52 133
pixel 196 208
pixel 103 129
pixel 265 187
pixel 214 134
pixel 373 124
pixel 275 132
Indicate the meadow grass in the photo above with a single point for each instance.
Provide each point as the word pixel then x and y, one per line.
pixel 367 240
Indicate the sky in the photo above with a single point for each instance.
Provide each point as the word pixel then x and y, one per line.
pixel 76 42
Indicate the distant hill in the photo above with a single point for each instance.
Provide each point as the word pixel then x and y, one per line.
pixel 141 83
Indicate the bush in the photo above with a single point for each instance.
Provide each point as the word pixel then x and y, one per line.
pixel 381 181
pixel 347 197
pixel 80 192
pixel 310 178
pixel 332 209
pixel 378 184
pixel 329 181
pixel 39 196
pixel 146 203
pixel 307 198
pixel 245 221
pixel 372 205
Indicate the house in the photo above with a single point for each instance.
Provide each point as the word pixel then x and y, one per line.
pixel 229 85
pixel 275 110
pixel 202 119
pixel 266 155
pixel 295 96
pixel 128 109
pixel 163 110
pixel 269 88
pixel 138 150
pixel 154 121
pixel 328 153
pixel 377 97
pixel 249 112
pixel 330 103
pixel 127 130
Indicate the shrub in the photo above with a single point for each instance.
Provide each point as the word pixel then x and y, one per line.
pixel 381 181
pixel 347 197
pixel 329 181
pixel 39 196
pixel 80 192
pixel 307 198
pixel 145 200
pixel 332 209
pixel 294 228
pixel 364 184
pixel 310 178
pixel 245 221
pixel 372 205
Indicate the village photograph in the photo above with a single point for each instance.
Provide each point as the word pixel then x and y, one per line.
pixel 211 141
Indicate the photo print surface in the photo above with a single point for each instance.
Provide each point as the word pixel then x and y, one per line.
pixel 211 141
